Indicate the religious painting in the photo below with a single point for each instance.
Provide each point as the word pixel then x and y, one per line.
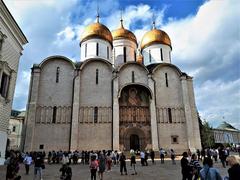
pixel 134 96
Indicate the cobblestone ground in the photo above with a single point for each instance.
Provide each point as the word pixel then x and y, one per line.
pixel 158 171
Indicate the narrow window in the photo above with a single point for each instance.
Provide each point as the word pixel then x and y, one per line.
pixel 97 49
pixel 14 128
pixel 41 146
pixel 57 74
pixel 54 114
pixel 96 76
pixel 4 85
pixel 166 79
pixel 150 57
pixel 169 115
pixel 169 56
pixel 124 55
pixel 133 78
pixel 85 50
pixel 95 115
pixel 135 56
pixel 174 139
pixel 161 54
pixel 107 52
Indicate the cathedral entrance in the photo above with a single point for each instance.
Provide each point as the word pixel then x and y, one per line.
pixel 134 142
pixel 134 116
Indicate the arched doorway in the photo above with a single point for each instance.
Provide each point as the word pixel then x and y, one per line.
pixel 134 142
pixel 134 117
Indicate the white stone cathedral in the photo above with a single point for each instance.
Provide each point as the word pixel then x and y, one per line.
pixel 118 96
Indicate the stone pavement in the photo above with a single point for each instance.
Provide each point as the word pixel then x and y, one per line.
pixel 166 171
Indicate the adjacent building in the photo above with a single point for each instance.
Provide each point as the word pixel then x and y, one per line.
pixel 15 130
pixel 12 40
pixel 121 95
pixel 225 133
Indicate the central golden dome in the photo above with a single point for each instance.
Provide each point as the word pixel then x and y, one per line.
pixel 122 33
pixel 155 36
pixel 96 30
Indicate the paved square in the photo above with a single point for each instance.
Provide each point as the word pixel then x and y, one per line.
pixel 166 171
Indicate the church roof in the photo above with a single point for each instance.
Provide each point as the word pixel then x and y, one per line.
pixel 226 126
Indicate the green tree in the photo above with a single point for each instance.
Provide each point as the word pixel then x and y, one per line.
pixel 206 133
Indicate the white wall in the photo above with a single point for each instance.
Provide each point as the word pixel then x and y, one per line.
pixel 155 53
pixel 91 49
pixel 118 46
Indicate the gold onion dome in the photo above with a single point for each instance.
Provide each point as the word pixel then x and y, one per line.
pixel 96 30
pixel 155 36
pixel 122 33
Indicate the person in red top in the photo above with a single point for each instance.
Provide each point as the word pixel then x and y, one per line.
pixel 93 167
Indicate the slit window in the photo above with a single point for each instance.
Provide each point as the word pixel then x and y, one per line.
pixel 166 79
pixel 85 50
pixel 97 72
pixel 4 85
pixel 169 56
pixel 150 57
pixel 54 114
pixel 161 53
pixel 135 56
pixel 97 49
pixel 124 55
pixel 95 115
pixel 14 128
pixel 41 146
pixel 107 52
pixel 133 77
pixel 57 74
pixel 174 139
pixel 169 115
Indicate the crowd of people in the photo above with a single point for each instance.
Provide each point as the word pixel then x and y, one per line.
pixel 102 161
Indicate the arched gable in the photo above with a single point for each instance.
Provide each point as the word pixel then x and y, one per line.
pixel 132 63
pixel 95 59
pixel 161 65
pixel 46 60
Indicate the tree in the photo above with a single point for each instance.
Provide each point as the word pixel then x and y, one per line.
pixel 206 133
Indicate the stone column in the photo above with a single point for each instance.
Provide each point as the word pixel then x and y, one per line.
pixel 75 115
pixel 31 109
pixel 154 125
pixel 115 114
pixel 187 110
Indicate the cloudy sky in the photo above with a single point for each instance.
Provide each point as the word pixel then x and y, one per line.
pixel 205 38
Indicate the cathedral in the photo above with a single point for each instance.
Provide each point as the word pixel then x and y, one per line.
pixel 121 95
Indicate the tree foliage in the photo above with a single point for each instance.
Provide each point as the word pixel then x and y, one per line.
pixel 206 133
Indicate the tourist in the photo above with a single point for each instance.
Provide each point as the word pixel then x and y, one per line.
pixel 12 163
pixel 66 172
pixel 93 167
pixel 198 154
pixel 146 158
pixel 122 161
pixel 186 168
pixel 133 161
pixel 234 170
pixel 101 165
pixel 152 155
pixel 215 154
pixel 162 154
pixel 109 161
pixel 203 154
pixel 27 161
pixel 222 156
pixel 208 172
pixel 49 157
pixel 172 153
pixel 196 167
pixel 142 156
pixel 38 166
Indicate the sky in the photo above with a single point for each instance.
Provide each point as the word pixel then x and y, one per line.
pixel 205 38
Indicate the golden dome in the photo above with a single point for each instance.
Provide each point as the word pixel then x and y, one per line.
pixel 122 33
pixel 96 30
pixel 155 36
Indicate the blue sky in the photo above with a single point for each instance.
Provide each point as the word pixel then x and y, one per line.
pixel 205 38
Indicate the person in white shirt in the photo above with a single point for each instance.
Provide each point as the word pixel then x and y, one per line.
pixel 142 155
pixel 27 161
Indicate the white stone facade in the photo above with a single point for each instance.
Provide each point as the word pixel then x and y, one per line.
pixel 11 41
pixel 108 101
